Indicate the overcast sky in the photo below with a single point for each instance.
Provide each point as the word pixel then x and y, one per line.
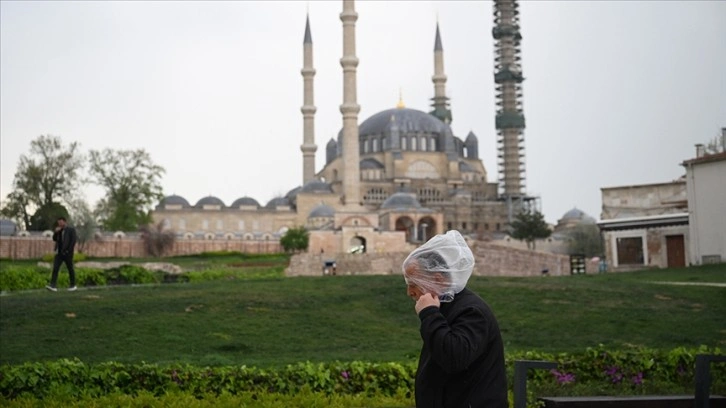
pixel 616 92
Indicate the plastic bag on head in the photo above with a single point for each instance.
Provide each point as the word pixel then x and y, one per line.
pixel 445 254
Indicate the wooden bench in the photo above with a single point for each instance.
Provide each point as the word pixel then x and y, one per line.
pixel 644 401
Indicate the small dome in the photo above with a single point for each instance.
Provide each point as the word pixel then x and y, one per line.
pixel 277 202
pixel 7 227
pixel 245 201
pixel 401 201
pixel 209 200
pixel 576 214
pixel 370 164
pixel 316 186
pixel 471 137
pixel 464 167
pixel 173 200
pixel 292 194
pixel 322 211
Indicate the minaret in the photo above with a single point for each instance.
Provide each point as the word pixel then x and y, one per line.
pixel 350 108
pixel 510 114
pixel 440 101
pixel 308 109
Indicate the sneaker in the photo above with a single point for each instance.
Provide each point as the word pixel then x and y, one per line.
pixel 51 288
pixel 72 288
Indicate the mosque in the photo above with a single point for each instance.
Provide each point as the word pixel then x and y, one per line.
pixel 392 181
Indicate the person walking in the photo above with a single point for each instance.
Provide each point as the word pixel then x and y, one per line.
pixel 65 242
pixel 462 358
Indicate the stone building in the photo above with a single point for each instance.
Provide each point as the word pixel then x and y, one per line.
pixel 393 181
pixel 645 225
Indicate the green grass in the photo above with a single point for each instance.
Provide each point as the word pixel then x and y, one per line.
pixel 276 321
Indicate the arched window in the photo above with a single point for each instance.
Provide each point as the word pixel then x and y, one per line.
pixel 413 143
pixel 423 144
pixel 433 144
pixel 375 145
pixel 365 146
pixel 403 143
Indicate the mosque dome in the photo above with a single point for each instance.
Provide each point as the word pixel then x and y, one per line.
pixel 322 211
pixel 404 119
pixel 401 201
pixel 209 200
pixel 7 227
pixel 174 200
pixel 316 186
pixel 245 201
pixel 370 164
pixel 277 202
pixel 464 167
pixel 576 214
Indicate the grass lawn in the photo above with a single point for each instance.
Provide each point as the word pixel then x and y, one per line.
pixel 276 321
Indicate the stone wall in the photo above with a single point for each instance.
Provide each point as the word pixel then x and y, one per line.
pixel 35 247
pixel 490 260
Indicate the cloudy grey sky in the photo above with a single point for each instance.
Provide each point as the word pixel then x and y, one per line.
pixel 616 92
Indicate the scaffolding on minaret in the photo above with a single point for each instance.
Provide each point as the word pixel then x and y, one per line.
pixel 509 120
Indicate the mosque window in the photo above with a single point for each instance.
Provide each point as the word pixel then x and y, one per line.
pixel 433 144
pixel 413 143
pixel 448 226
pixel 365 146
pixel 205 225
pixel 220 225
pixel 476 226
pixel 428 195
pixel 404 143
pixel 375 145
pixel 423 144
pixel 375 196
pixel 422 170
pixel 463 226
pixel 241 225
pixel 498 227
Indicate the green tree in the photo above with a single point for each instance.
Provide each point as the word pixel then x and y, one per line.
pixel 133 184
pixel 585 239
pixel 50 173
pixel 529 226
pixel 85 223
pixel 295 239
pixel 46 216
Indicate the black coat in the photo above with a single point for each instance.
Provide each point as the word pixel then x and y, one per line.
pixel 462 358
pixel 65 240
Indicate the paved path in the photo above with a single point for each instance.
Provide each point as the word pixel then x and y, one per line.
pixel 715 284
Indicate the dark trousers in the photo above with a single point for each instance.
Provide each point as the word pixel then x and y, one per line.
pixel 68 260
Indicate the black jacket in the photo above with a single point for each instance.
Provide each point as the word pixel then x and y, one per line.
pixel 462 358
pixel 65 240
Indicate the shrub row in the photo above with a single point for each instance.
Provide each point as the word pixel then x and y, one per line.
pixel 596 371
pixel 14 278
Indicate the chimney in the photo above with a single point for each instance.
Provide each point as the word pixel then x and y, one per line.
pixel 700 150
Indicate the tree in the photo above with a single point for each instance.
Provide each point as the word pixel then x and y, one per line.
pixel 716 145
pixel 16 209
pixel 157 238
pixel 51 173
pixel 85 223
pixel 46 216
pixel 529 226
pixel 585 239
pixel 295 239
pixel 132 182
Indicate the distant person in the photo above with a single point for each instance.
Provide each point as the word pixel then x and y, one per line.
pixel 462 357
pixel 65 242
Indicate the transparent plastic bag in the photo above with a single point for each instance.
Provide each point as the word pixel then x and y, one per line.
pixel 441 266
